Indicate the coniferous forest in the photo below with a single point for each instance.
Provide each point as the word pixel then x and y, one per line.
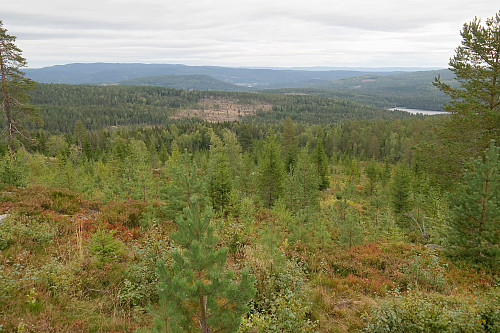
pixel 152 209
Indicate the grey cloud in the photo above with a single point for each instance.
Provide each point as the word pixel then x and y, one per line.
pixel 242 33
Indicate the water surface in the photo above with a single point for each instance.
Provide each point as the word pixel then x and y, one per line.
pixel 418 111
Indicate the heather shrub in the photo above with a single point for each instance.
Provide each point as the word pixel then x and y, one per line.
pixel 33 200
pixel 128 213
pixel 64 201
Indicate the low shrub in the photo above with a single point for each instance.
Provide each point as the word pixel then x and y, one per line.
pixel 128 213
pixel 25 231
pixel 425 270
pixel 282 302
pixel 141 279
pixel 420 312
pixel 35 199
pixel 104 247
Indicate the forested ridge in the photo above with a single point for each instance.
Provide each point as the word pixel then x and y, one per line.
pixel 98 107
pixel 412 90
pixel 121 210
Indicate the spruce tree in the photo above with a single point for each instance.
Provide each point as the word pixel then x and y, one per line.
pixel 232 149
pixel 401 190
pixel 351 232
pixel 289 145
pixel 14 86
pixel 302 184
pixel 139 172
pixel 247 181
pixel 220 181
pixel 320 161
pixel 245 138
pixel 271 172
pixel 198 291
pixel 372 173
pixel 474 226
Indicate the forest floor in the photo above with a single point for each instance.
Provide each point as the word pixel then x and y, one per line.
pixel 52 281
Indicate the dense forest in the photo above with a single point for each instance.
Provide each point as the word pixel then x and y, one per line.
pixel 151 209
pixel 97 107
pixel 413 90
pixel 381 89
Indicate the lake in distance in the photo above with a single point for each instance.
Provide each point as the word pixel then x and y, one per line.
pixel 418 111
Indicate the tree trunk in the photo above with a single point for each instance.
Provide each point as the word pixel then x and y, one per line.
pixel 203 315
pixel 6 105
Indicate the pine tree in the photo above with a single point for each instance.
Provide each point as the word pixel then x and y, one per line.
pixel 14 86
pixel 474 226
pixel 199 291
pixel 80 134
pixel 271 172
pixel 185 183
pixel 475 104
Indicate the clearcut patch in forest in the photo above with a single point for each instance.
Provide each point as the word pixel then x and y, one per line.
pixel 222 109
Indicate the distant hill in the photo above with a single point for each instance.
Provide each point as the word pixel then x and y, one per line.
pixel 399 83
pixel 98 73
pixel 408 89
pixel 184 82
pixel 382 89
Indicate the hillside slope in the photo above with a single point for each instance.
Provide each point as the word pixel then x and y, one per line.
pixel 184 82
pixel 96 73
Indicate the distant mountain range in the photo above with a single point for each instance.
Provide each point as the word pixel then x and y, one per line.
pixel 106 73
pixel 395 85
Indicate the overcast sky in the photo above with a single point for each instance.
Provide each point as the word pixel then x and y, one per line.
pixel 251 33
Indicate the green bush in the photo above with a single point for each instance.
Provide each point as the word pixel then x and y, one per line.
pixel 419 312
pixel 23 230
pixel 58 278
pixel 13 171
pixel 8 284
pixel 105 247
pixel 283 305
pixel 141 279
pixel 425 270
